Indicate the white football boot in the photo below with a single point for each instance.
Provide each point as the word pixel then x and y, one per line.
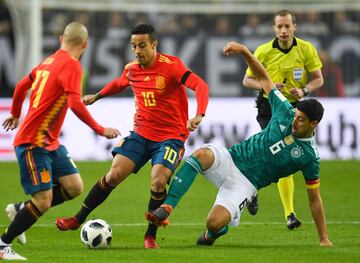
pixel 6 253
pixel 11 212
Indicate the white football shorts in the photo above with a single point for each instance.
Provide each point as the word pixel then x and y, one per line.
pixel 234 188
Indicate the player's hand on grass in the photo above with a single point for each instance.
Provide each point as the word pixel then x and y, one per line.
pixel 193 123
pixel 234 48
pixel 10 123
pixel 325 242
pixel 111 133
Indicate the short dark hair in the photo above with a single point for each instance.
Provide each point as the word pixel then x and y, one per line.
pixel 143 29
pixel 285 12
pixel 312 108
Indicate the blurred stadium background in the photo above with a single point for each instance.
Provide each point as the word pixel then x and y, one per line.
pixel 196 31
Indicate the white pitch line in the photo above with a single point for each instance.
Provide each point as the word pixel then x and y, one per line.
pixel 202 224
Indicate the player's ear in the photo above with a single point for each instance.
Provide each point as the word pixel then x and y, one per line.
pixel 61 39
pixel 314 124
pixel 85 44
pixel 154 43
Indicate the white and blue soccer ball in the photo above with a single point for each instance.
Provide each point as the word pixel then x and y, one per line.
pixel 96 233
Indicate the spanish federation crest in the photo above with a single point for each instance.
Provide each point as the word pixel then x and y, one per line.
pixel 296 152
pixel 160 82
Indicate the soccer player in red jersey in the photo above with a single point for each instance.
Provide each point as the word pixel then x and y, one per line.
pixel 47 172
pixel 161 124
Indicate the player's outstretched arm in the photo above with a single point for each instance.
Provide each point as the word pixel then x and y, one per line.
pixel 79 109
pixel 256 67
pixel 317 211
pixel 251 83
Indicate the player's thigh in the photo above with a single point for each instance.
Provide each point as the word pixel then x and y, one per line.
pixel 222 166
pixel 133 148
pixel 168 153
pixel 35 168
pixel 233 195
pixel 65 171
pixel 121 168
pixel 72 183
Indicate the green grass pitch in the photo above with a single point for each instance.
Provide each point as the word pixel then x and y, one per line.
pixel 260 238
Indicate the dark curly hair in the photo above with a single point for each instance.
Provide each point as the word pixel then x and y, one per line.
pixel 312 108
pixel 143 29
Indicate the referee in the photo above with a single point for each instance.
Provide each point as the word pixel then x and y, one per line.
pixel 288 60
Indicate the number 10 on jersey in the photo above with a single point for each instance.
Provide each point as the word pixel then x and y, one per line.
pixel 170 154
pixel 149 98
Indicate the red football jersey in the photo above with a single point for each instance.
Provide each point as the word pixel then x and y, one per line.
pixel 55 85
pixel 160 98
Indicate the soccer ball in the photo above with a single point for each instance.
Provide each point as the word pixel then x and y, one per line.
pixel 96 233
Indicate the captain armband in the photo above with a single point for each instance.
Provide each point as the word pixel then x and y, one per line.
pixel 185 77
pixel 313 184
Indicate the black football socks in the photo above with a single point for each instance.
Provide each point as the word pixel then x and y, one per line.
pixel 100 191
pixel 23 220
pixel 156 200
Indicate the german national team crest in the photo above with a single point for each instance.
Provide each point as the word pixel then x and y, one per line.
pixel 296 152
pixel 298 73
pixel 160 82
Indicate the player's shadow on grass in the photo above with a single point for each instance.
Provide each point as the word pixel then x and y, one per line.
pixel 215 247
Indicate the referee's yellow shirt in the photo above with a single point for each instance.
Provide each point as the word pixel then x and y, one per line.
pixel 288 66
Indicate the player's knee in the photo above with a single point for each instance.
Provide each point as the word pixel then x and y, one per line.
pixel 159 177
pixel 115 176
pixel 112 179
pixel 118 172
pixel 121 168
pixel 158 183
pixel 205 156
pixel 42 203
pixel 75 190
